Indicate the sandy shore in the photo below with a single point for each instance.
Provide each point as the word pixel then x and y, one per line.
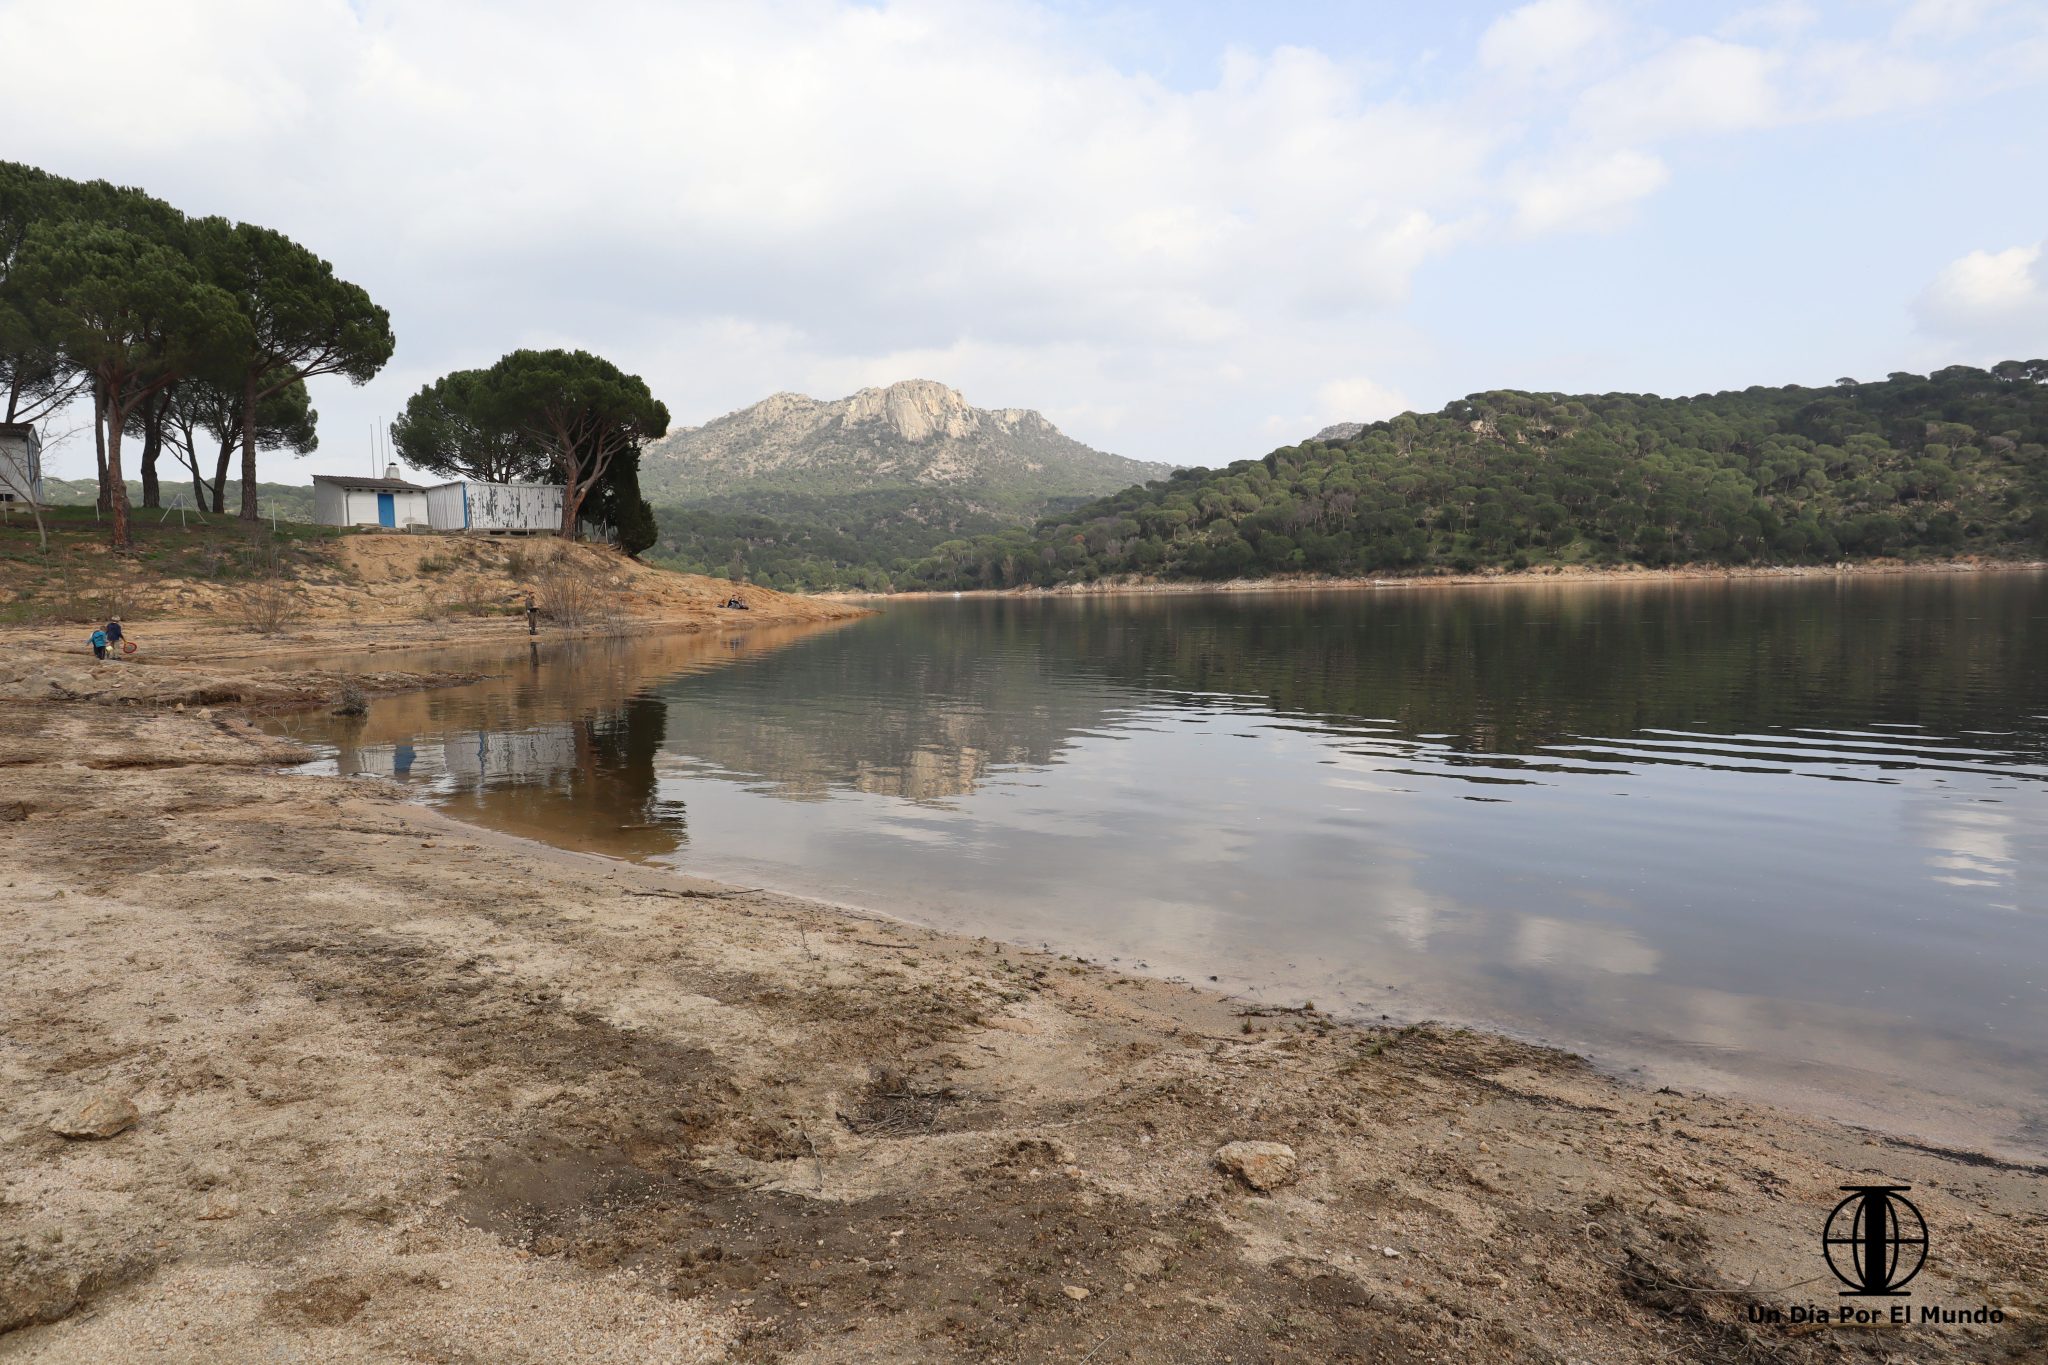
pixel 1623 573
pixel 407 1089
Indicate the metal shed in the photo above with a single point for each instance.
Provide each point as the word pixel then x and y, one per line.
pixel 473 505
pixel 21 463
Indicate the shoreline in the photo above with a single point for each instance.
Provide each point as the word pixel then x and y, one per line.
pixel 414 1086
pixel 1635 574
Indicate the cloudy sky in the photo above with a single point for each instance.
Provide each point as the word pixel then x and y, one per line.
pixel 1184 231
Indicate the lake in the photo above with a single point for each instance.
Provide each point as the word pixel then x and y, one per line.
pixel 1780 837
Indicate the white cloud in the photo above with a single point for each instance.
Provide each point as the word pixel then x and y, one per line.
pixel 1696 85
pixel 1546 38
pixel 1782 19
pixel 1942 20
pixel 737 198
pixel 1995 302
pixel 1589 191
pixel 1359 399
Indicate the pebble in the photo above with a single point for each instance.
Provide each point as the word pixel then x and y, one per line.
pixel 1074 1292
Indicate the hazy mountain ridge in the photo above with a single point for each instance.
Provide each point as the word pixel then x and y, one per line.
pixel 916 433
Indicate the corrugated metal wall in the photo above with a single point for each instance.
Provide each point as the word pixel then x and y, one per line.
pixel 496 506
pixel 515 506
pixel 444 507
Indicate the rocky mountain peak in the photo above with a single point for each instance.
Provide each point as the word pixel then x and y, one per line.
pixel 914 433
pixel 915 409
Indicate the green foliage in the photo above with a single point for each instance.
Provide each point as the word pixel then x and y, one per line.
pixel 1952 463
pixel 574 415
pixel 815 541
pixel 623 508
pixel 301 321
pixel 451 428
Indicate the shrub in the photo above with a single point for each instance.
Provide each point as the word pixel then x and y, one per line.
pixel 570 593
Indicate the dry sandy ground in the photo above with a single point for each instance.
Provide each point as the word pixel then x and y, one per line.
pixel 210 660
pixel 410 1090
pixel 389 579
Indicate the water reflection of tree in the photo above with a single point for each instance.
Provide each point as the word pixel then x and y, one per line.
pixel 604 796
pixel 1508 670
pixel 914 704
pixel 926 701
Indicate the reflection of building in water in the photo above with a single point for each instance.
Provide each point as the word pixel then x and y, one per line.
pixel 469 758
pixel 589 782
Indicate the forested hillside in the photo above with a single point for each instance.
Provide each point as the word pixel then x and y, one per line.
pixel 1948 464
pixel 797 540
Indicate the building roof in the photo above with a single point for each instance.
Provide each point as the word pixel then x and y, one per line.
pixel 17 428
pixel 358 481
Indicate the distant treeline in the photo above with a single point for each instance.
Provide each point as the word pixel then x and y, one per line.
pixel 1950 463
pixel 290 501
pixel 815 540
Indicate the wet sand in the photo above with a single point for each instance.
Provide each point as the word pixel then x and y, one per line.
pixel 411 1089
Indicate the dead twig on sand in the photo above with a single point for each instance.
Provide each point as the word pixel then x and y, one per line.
pixel 699 895
pixel 817 1162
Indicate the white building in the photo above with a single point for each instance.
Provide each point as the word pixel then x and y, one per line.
pixel 473 505
pixel 349 500
pixel 21 463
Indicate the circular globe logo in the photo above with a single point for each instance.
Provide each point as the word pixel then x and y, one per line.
pixel 1875 1240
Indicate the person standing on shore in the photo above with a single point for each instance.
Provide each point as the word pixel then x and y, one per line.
pixel 99 644
pixel 113 630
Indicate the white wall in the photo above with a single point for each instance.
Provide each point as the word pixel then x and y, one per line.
pixel 337 506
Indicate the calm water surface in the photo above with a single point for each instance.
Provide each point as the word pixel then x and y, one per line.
pixel 1782 837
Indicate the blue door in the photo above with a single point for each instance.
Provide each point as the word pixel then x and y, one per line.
pixel 387 510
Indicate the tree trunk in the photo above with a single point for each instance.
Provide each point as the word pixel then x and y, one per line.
pixel 249 512
pixel 99 442
pixel 116 486
pixel 572 502
pixel 220 473
pixel 152 451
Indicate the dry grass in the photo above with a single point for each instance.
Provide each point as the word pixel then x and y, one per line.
pixel 272 602
pixel 571 592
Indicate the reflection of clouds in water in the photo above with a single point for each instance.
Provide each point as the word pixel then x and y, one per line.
pixel 1971 844
pixel 1552 944
pixel 1413 922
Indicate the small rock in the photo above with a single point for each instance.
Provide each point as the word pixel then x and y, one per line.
pixel 1390 1253
pixel 99 1115
pixel 221 1205
pixel 1261 1165
pixel 1074 1292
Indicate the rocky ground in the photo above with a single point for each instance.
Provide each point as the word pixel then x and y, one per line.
pixel 291 1069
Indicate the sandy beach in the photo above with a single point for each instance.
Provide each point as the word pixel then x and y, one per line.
pixel 404 1088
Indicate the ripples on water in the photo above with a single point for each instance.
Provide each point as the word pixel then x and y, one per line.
pixel 1775 835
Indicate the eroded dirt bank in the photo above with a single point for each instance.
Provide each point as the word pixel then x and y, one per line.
pixel 408 1090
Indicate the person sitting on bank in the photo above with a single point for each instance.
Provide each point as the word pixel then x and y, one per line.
pixel 735 603
pixel 99 644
